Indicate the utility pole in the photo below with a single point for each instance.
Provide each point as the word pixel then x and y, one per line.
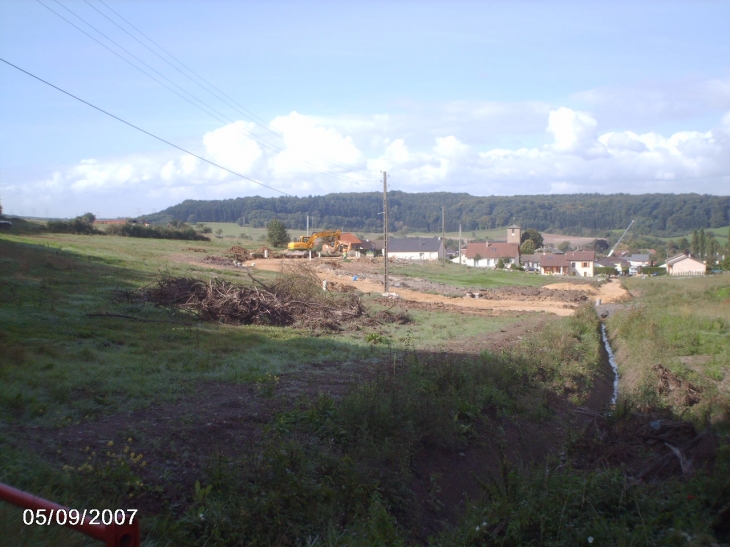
pixel 385 225
pixel 443 238
pixel 459 242
pixel 307 225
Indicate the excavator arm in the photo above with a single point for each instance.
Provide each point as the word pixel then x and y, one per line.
pixel 306 243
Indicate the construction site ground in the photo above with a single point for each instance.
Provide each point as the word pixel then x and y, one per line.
pixel 560 298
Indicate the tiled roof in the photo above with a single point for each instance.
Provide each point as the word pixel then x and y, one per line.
pixel 639 258
pixel 492 250
pixel 347 237
pixel 414 245
pixel 589 256
pixel 680 258
pixel 554 261
pixel 610 262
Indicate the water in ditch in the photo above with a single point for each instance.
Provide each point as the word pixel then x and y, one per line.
pixel 612 362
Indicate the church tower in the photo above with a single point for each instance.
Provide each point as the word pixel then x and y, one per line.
pixel 514 234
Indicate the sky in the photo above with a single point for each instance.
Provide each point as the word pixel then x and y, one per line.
pixel 313 97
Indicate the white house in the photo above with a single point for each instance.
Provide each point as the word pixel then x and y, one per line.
pixel 416 248
pixel 581 263
pixel 685 265
pixel 488 255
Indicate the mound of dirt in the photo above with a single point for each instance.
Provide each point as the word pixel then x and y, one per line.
pixel 530 294
pixel 219 260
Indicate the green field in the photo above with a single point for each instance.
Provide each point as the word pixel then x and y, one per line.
pixel 682 324
pixel 468 277
pixel 365 433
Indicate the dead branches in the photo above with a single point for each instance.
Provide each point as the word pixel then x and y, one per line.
pixel 295 299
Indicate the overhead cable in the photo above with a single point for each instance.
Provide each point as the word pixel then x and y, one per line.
pixel 247 133
pixel 146 132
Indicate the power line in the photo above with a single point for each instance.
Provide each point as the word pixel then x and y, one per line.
pixel 123 58
pixel 244 110
pixel 144 131
pixel 245 132
pixel 265 125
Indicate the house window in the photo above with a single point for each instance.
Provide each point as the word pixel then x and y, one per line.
pixel 585 264
pixel 572 264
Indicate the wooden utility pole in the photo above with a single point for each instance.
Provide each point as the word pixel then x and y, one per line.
pixel 385 225
pixel 443 238
pixel 459 242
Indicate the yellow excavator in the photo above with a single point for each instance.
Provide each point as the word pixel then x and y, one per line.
pixel 306 243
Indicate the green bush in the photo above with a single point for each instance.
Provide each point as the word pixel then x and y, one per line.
pixel 79 225
pixel 155 232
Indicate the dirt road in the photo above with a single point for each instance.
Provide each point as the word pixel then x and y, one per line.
pixel 608 292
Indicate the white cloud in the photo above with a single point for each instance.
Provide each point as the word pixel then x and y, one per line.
pixel 571 130
pixel 309 145
pixel 317 155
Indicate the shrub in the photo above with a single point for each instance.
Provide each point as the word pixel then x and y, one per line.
pixel 155 232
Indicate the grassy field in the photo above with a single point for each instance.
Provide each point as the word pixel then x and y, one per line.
pixel 465 276
pixel 682 324
pixel 251 435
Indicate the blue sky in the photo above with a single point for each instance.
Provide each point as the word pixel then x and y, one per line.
pixel 488 98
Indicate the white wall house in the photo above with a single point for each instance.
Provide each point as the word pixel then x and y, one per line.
pixel 685 265
pixel 416 248
pixel 488 255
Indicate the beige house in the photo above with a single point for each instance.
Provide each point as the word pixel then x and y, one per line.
pixel 685 265
pixel 581 263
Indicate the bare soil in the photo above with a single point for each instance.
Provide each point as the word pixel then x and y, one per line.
pixel 561 298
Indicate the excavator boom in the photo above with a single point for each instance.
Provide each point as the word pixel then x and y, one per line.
pixel 306 243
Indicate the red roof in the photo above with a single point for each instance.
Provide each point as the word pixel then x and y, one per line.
pixel 347 237
pixel 554 261
pixel 492 250
pixel 588 256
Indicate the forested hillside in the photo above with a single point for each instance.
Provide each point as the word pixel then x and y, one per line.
pixel 591 214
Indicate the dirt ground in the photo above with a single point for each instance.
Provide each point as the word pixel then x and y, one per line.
pixel 560 298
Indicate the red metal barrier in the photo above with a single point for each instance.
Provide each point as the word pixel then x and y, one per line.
pixel 115 535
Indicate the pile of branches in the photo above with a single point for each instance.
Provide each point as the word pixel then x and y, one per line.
pixel 296 298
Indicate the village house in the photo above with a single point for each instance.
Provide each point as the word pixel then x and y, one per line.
pixel 531 263
pixel 488 255
pixel 416 248
pixel 581 263
pixel 683 264
pixel 621 265
pixel 637 261
pixel 578 263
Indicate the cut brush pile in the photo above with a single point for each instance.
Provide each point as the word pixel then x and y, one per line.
pixel 296 298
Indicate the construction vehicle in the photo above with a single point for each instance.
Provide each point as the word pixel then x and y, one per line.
pixel 307 243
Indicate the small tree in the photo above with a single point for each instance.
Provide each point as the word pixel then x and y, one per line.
pixel 277 234
pixel 89 218
pixel 600 246
pixel 528 247
pixel 564 246
pixel 219 232
pixel 534 235
pixel 500 264
pixel 477 258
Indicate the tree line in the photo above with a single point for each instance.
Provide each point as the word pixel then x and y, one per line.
pixel 580 214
